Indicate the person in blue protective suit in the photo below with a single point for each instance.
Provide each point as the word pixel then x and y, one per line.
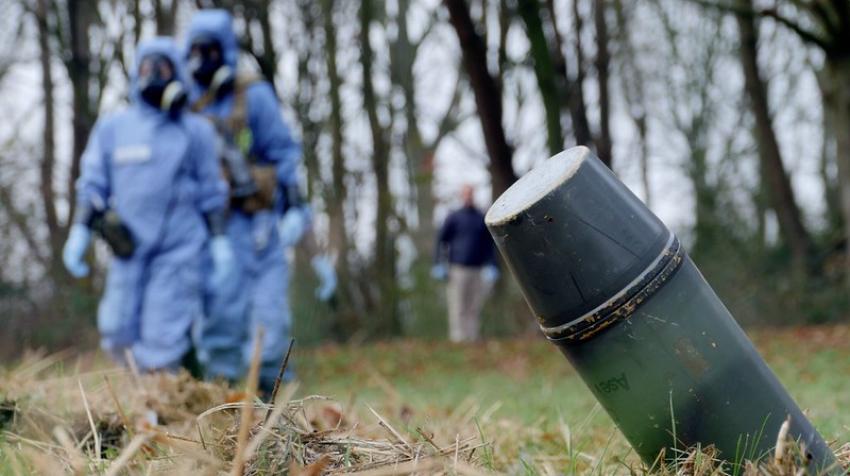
pixel 148 187
pixel 266 215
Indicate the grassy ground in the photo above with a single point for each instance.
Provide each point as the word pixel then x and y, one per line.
pixel 520 397
pixel 528 387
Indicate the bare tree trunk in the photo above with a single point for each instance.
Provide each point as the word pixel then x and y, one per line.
pixel 780 193
pixel 80 17
pixel 573 89
pixel 836 77
pixel 505 18
pixel 306 91
pixel 420 154
pixel 420 160
pixel 339 192
pixel 761 216
pixel 544 71
pixel 339 235
pixel 384 260
pixel 165 16
pixel 603 60
pixel 137 21
pixel 48 161
pixel 827 160
pixel 706 224
pixel 639 118
pixel 488 97
pixel 267 60
pixel 635 94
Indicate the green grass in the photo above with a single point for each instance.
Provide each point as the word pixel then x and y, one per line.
pixel 524 377
pixel 530 388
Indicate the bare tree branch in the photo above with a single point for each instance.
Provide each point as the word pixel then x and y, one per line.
pixel 806 35
pixel 21 223
pixel 450 121
pixel 48 159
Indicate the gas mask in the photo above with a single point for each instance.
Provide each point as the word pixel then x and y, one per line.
pixel 206 63
pixel 159 85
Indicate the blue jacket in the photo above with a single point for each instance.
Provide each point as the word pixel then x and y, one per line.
pixel 147 165
pixel 466 239
pixel 272 141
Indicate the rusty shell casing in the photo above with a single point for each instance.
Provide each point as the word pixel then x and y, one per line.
pixel 612 287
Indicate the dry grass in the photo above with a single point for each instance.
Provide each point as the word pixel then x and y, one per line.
pixel 117 422
pixel 59 420
pixel 787 460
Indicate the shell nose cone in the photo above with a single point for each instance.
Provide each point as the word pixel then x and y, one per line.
pixel 537 184
pixel 573 235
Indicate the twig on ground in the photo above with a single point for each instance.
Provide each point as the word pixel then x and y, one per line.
pixel 427 438
pixel 95 434
pixel 389 428
pixel 279 377
pixel 201 434
pixel 264 432
pixel 124 420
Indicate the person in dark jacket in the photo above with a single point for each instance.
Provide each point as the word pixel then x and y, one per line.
pixel 465 255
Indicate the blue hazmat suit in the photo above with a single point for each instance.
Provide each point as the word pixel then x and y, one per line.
pixel 258 296
pixel 154 169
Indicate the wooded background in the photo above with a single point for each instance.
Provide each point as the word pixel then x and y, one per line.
pixel 730 118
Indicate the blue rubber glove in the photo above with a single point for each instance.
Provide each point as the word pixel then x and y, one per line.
pixel 440 272
pixel 223 261
pixel 293 225
pixel 327 277
pixel 75 249
pixel 490 274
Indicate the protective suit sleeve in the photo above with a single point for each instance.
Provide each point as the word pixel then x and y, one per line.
pixel 272 139
pixel 93 185
pixel 212 189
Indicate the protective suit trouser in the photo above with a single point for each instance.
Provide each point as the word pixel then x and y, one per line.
pixel 148 307
pixel 223 330
pixel 254 298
